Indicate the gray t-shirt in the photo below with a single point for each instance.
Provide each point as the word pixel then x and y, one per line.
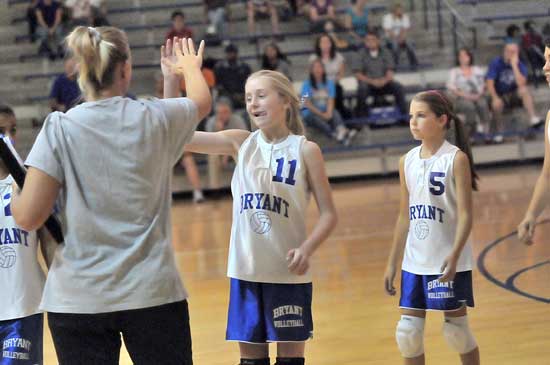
pixel 114 160
pixel 373 66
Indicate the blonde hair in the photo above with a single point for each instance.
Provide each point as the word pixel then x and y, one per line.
pixel 98 51
pixel 284 87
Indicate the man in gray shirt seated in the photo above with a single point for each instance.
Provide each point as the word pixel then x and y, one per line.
pixel 223 119
pixel 374 70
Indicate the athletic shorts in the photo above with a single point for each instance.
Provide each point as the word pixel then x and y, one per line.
pixel 425 292
pixel 265 312
pixel 21 340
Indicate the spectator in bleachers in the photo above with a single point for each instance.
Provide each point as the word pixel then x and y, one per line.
pixel 99 13
pixel 65 92
pixel 533 46
pixel 266 9
pixel 322 16
pixel 187 161
pixel 31 19
pixel 357 20
pixel 507 85
pixel 318 93
pixel 467 84
pixel 214 11
pixel 397 25
pixel 335 65
pixel 178 27
pixel 374 69
pixel 80 12
pixel 231 75
pixel 50 30
pixel 275 60
pixel 223 119
pixel 513 33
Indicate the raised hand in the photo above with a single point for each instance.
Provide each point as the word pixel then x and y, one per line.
pixel 186 58
pixel 168 58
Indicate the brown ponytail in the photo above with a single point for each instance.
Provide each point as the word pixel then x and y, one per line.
pixel 98 51
pixel 440 104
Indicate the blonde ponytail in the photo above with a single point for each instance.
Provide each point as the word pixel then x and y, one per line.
pixel 284 87
pixel 98 51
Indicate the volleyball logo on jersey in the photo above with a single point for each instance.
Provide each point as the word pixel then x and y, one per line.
pixel 10 236
pixel 422 213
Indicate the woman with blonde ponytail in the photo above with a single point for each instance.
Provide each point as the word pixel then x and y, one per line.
pixel 110 162
pixel 269 249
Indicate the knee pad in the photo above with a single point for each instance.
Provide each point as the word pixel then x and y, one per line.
pixel 409 335
pixel 290 361
pixel 458 335
pixel 255 361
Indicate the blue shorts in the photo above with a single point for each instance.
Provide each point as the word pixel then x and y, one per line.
pixel 264 312
pixel 425 292
pixel 21 340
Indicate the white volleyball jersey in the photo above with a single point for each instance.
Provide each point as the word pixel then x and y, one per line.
pixel 270 198
pixel 432 212
pixel 21 278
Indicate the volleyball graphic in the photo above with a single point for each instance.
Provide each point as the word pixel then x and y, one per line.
pixel 7 257
pixel 260 222
pixel 421 230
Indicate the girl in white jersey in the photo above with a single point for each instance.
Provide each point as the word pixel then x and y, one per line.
pixel 433 226
pixel 21 278
pixel 541 195
pixel 277 168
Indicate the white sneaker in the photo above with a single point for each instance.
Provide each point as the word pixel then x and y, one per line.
pixel 352 133
pixel 198 197
pixel 498 138
pixel 536 122
pixel 341 133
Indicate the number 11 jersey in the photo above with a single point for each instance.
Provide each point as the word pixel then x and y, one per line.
pixel 270 198
pixel 433 212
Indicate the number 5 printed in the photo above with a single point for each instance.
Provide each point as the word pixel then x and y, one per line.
pixel 436 186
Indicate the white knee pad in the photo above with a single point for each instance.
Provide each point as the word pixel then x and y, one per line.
pixel 409 335
pixel 458 335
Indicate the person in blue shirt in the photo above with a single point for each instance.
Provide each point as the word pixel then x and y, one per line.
pixel 507 85
pixel 318 94
pixel 65 92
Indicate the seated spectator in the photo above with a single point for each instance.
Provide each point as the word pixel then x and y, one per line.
pixel 65 92
pixel 223 119
pixel 275 60
pixel 374 70
pixel 215 16
pixel 533 46
pixel 318 94
pixel 335 65
pixel 265 8
pixel 357 20
pixel 231 75
pixel 322 17
pixel 187 161
pixel 178 27
pixel 80 12
pixel 467 84
pixel 99 13
pixel 513 33
pixel 50 31
pixel 507 85
pixel 396 27
pixel 31 19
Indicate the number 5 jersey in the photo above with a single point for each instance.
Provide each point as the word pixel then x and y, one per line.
pixel 433 212
pixel 270 198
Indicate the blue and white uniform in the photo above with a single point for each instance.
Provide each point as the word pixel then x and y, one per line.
pixel 21 283
pixel 270 197
pixel 433 219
